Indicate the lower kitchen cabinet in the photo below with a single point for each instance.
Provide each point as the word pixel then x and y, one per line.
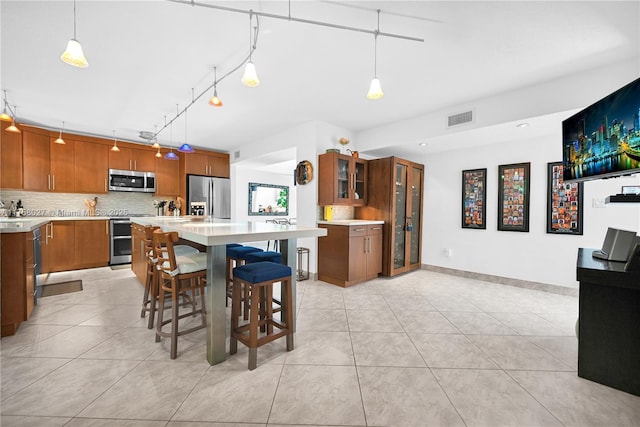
pixel 18 280
pixel 138 257
pixel 350 254
pixel 73 245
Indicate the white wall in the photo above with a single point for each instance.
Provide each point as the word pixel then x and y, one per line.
pixel 536 255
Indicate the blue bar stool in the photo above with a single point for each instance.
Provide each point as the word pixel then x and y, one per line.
pixel 264 256
pixel 236 256
pixel 259 277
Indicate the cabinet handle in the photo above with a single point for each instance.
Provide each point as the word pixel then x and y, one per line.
pixel 49 181
pixel 51 231
pixel 106 226
pixel 358 229
pixel 54 181
pixel 105 185
pixel 135 165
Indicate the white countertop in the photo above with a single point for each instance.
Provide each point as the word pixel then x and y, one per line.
pixel 349 222
pixel 26 224
pixel 210 232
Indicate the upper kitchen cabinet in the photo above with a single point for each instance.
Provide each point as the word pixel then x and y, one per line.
pixel 10 159
pixel 91 167
pixel 397 200
pixel 167 177
pixel 342 180
pixel 207 164
pixel 132 159
pixel 47 166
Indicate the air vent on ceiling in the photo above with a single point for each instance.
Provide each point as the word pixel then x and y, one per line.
pixel 236 154
pixel 459 119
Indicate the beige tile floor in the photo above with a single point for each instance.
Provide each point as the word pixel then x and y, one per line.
pixel 422 349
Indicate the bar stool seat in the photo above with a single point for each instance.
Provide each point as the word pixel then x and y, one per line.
pixel 264 256
pixel 236 256
pixel 180 277
pixel 260 277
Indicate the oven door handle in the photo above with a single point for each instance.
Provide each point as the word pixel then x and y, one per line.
pixel 121 237
pixel 121 222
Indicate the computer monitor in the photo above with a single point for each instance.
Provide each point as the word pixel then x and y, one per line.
pixel 617 245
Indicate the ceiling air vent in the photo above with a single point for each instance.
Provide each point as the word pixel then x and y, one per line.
pixel 458 119
pixel 236 155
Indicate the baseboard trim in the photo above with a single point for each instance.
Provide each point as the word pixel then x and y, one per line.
pixel 554 289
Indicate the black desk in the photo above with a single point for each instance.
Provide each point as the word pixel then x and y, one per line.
pixel 609 329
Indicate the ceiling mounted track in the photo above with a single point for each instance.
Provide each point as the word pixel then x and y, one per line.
pixel 301 20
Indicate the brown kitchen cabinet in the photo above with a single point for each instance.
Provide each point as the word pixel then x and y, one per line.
pixel 91 243
pixel 342 180
pixel 133 159
pixel 348 255
pixel 10 159
pixel 397 200
pixel 167 177
pixel 138 257
pixel 91 167
pixel 18 280
pixel 47 166
pixel 59 243
pixel 213 164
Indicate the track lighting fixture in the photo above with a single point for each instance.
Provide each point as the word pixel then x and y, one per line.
pixel 185 148
pixel 375 90
pixel 250 76
pixel 60 140
pixel 171 155
pixel 73 55
pixel 5 116
pixel 215 101
pixel 115 143
pixel 12 127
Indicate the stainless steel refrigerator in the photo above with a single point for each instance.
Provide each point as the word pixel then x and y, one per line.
pixel 215 193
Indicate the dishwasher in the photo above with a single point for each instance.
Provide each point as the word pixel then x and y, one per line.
pixel 37 263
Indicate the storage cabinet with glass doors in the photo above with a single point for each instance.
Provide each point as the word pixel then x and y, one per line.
pixel 395 196
pixel 342 180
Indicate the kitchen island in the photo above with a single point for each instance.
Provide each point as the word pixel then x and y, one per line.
pixel 215 234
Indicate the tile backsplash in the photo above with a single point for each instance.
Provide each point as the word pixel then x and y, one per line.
pixel 72 204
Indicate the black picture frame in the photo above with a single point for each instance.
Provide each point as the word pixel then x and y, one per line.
pixel 514 197
pixel 474 199
pixel 564 202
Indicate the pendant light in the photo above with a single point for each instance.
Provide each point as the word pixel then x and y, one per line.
pixel 375 90
pixel 215 101
pixel 171 155
pixel 158 154
pixel 73 55
pixel 250 76
pixel 5 116
pixel 60 140
pixel 155 141
pixel 185 148
pixel 12 127
pixel 115 143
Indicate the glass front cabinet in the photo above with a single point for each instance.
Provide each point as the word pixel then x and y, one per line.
pixel 342 180
pixel 395 196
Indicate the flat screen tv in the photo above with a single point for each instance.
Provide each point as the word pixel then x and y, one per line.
pixel 603 140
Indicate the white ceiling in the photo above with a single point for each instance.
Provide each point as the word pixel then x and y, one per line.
pixel 146 57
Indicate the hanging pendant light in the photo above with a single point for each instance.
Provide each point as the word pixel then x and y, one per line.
pixel 5 116
pixel 250 76
pixel 12 127
pixel 60 140
pixel 155 141
pixel 171 155
pixel 215 101
pixel 115 143
pixel 158 154
pixel 155 144
pixel 186 148
pixel 375 90
pixel 73 55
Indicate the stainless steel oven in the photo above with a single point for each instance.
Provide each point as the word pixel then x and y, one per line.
pixel 120 241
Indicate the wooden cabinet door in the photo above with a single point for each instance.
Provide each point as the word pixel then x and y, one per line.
pixel 62 166
pixel 91 167
pixel 143 160
pixel 36 169
pixel 197 164
pixel 10 159
pixel 358 187
pixel 219 166
pixel 45 263
pixel 62 246
pixel 91 246
pixel 357 259
pixel 341 177
pixel 167 178
pixel 121 159
pixel 374 250
pixel 138 257
pixel 12 276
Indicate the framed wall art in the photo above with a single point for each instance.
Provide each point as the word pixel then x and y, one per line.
pixel 564 203
pixel 474 198
pixel 513 197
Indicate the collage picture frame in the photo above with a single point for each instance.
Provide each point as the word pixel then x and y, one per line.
pixel 474 198
pixel 564 202
pixel 513 197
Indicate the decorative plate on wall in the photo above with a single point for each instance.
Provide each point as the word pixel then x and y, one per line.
pixel 304 172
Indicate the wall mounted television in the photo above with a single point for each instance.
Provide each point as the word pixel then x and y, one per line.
pixel 603 140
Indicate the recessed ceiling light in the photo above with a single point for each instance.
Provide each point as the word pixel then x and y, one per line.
pixel 423 144
pixel 522 125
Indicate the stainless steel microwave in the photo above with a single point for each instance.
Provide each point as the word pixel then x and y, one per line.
pixel 122 180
